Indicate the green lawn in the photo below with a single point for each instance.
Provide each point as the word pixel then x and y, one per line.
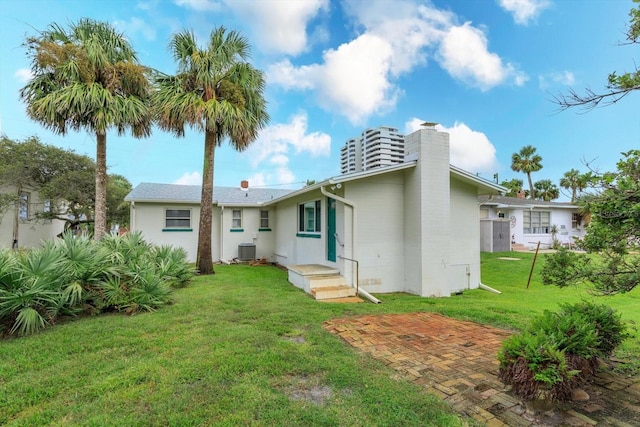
pixel 244 347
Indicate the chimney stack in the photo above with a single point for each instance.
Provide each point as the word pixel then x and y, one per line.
pixel 521 194
pixel 244 184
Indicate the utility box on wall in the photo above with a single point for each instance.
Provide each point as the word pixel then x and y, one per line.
pixel 495 235
pixel 246 251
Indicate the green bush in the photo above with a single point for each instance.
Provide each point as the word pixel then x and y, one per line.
pixel 535 368
pixel 559 350
pixel 570 331
pixel 606 323
pixel 75 275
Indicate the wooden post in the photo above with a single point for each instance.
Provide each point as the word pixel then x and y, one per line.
pixel 533 264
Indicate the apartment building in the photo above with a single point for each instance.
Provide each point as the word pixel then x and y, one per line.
pixel 375 147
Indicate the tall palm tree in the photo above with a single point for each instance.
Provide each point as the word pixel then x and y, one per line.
pixel 546 190
pixel 215 91
pixel 88 77
pixel 527 161
pixel 575 181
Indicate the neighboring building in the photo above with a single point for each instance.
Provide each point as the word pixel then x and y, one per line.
pixel 520 221
pixel 412 227
pixel 30 233
pixel 375 147
pixel 169 214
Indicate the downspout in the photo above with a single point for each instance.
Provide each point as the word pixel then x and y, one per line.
pixel 352 205
pixel 488 288
pixel 133 226
pixel 221 245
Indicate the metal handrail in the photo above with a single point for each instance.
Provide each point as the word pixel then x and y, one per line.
pixel 357 269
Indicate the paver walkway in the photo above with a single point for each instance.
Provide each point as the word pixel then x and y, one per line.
pixel 456 360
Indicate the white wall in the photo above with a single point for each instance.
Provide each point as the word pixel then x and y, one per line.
pixel 149 219
pixel 380 231
pixel 465 236
pixel 291 249
pixel 428 215
pixel 558 216
pixel 251 234
pixel 31 233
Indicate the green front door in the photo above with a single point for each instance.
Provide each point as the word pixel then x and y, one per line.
pixel 331 229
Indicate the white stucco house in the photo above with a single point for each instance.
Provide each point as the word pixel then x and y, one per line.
pixel 412 227
pixel 30 233
pixel 508 221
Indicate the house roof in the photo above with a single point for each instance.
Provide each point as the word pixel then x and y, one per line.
pixel 174 193
pixel 514 202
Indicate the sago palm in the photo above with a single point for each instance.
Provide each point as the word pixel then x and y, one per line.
pixel 215 91
pixel 527 161
pixel 87 77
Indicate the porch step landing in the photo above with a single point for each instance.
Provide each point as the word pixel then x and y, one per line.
pixel 322 282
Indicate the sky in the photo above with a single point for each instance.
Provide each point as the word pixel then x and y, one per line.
pixel 485 70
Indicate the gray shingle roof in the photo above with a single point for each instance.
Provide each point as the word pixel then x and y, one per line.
pixel 151 192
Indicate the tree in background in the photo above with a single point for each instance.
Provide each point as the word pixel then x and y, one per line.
pixel 546 190
pixel 117 209
pixel 514 185
pixel 63 178
pixel 527 161
pixel 575 181
pixel 88 77
pixel 618 86
pixel 614 233
pixel 216 92
pixel 26 165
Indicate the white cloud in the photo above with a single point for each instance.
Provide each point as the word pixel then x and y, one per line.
pixel 136 25
pixel 189 178
pixel 464 54
pixel 524 11
pixel 257 180
pixel 353 80
pixel 357 79
pixel 469 149
pixel 565 78
pixel 23 75
pixel 199 5
pixel 280 26
pixel 277 143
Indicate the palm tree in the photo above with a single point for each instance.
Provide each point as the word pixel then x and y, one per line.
pixel 216 92
pixel 513 185
pixel 546 190
pixel 88 77
pixel 575 181
pixel 527 161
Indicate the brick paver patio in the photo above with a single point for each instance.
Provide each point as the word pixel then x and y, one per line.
pixel 456 360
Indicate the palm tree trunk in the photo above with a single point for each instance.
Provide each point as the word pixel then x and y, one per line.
pixel 100 215
pixel 532 193
pixel 205 261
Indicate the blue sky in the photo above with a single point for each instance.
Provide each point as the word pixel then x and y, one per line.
pixel 486 70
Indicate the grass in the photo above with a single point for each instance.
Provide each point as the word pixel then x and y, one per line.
pixel 244 347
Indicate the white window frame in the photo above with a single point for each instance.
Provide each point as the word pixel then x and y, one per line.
pixel 536 222
pixel 264 218
pixel 309 217
pixel 175 217
pixel 236 218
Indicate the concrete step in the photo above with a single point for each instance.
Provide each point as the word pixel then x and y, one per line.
pixel 331 292
pixel 325 281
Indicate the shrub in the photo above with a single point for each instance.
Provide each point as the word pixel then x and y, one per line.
pixel 75 274
pixel 535 368
pixel 606 323
pixel 559 350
